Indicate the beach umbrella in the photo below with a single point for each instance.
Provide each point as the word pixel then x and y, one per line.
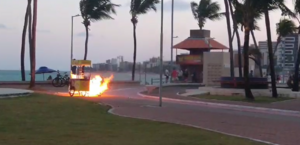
pixel 44 70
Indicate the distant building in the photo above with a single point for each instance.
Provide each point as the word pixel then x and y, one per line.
pixel 263 47
pixel 99 66
pixel 114 61
pixel 287 51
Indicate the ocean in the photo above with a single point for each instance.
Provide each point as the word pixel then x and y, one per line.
pixel 15 75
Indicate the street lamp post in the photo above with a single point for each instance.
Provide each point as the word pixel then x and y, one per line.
pixel 161 52
pixel 72 23
pixel 172 46
pixel 172 30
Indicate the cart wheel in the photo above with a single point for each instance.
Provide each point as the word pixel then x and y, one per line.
pixel 83 94
pixel 71 91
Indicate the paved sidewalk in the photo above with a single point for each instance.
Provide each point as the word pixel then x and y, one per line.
pixel 171 92
pixel 10 92
pixel 275 129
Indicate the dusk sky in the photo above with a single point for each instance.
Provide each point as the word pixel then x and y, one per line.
pixel 109 38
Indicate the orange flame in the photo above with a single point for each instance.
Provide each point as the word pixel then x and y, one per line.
pixel 98 85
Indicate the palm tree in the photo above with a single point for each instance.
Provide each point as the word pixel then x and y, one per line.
pixel 95 10
pixel 206 10
pixel 296 73
pixel 23 41
pixel 30 29
pixel 266 6
pixel 33 47
pixel 229 37
pixel 235 27
pixel 138 7
pixel 238 17
pixel 284 28
pixel 248 9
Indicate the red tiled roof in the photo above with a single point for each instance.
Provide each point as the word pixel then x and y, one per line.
pixel 199 43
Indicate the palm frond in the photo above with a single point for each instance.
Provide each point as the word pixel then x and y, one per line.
pixel 297 6
pixel 217 16
pixel 285 27
pixel 239 15
pixel 206 9
pixel 94 10
pixel 285 11
pixel 142 6
pixel 194 8
pixel 148 5
pixel 254 51
pixel 134 6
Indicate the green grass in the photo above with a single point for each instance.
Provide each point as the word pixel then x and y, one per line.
pixel 53 120
pixel 242 98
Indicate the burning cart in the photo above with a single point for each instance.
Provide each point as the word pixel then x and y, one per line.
pixel 81 83
pixel 80 77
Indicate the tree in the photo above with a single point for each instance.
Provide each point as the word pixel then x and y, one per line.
pixel 239 18
pixel 247 20
pixel 139 7
pixel 23 43
pixel 266 6
pixel 284 28
pixel 296 73
pixel 235 27
pixel 206 10
pixel 229 37
pixel 95 10
pixel 33 47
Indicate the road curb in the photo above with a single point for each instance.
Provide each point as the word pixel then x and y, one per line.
pixel 230 106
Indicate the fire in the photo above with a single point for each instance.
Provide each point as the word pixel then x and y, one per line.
pixel 98 85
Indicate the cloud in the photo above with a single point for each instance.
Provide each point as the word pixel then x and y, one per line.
pixel 179 5
pixel 82 34
pixel 43 31
pixel 2 26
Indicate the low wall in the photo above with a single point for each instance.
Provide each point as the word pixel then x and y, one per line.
pixel 239 82
pixel 256 92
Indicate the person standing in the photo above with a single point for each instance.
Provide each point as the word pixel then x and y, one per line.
pixel 186 75
pixel 174 75
pixel 167 74
pixel 251 74
pixel 180 75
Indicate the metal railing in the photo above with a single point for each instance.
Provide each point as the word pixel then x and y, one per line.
pixel 157 81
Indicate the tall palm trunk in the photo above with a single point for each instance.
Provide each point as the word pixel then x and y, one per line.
pixel 277 43
pixel 229 38
pixel 233 33
pixel 30 30
pixel 258 64
pixel 33 49
pixel 296 73
pixel 86 41
pixel 248 92
pixel 24 42
pixel 271 57
pixel 238 39
pixel 134 51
